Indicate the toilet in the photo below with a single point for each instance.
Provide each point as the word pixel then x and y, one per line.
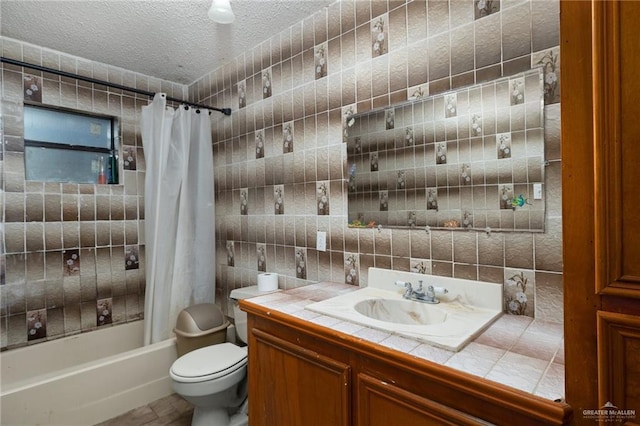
pixel 210 372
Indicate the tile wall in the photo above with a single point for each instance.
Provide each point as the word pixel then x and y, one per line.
pixel 72 256
pixel 280 164
pixel 280 159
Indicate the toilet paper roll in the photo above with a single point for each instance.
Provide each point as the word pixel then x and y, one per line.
pixel 267 282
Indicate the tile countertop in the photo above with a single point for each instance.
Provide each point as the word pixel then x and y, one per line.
pixel 516 351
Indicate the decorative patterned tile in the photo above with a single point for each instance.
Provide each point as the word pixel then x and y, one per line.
pixel 519 291
pixel 379 36
pixel 484 8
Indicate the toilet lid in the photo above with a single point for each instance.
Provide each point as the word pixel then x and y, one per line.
pixel 209 362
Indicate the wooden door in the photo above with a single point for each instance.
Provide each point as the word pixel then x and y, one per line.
pixel 293 386
pixel 617 218
pixel 600 51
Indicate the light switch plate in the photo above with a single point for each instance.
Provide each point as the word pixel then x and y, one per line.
pixel 537 191
pixel 321 241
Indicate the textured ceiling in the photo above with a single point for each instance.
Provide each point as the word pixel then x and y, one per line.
pixel 169 39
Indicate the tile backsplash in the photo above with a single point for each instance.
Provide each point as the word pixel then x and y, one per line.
pixel 73 255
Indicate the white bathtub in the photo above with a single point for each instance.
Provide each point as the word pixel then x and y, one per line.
pixel 84 379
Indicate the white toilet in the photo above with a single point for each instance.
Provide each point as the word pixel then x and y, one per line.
pixel 211 373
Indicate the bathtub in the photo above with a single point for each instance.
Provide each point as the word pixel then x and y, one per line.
pixel 84 379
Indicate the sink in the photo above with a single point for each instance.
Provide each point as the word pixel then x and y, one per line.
pixel 463 313
pixel 401 311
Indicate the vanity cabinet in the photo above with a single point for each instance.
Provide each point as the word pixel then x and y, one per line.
pixel 291 385
pixel 300 373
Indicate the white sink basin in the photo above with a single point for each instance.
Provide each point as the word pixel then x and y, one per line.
pixel 401 311
pixel 462 314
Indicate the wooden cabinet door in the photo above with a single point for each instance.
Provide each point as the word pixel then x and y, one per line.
pixel 619 362
pixel 383 404
pixel 617 217
pixel 601 218
pixel 293 386
pixel 617 147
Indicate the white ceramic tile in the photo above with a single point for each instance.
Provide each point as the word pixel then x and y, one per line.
pixel 271 297
pixel 518 371
pixel 514 322
pixel 301 303
pixel 372 335
pixel 504 332
pixel 475 359
pixel 322 291
pixel 559 358
pixel 283 304
pixel 305 314
pixel 347 327
pixel 552 384
pixel 325 320
pixel 432 353
pixel 548 328
pixel 400 343
pixel 537 345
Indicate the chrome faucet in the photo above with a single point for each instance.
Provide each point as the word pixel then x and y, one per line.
pixel 420 294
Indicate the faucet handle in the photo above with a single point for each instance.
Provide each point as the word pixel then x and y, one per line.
pixel 431 294
pixel 403 284
pixel 408 288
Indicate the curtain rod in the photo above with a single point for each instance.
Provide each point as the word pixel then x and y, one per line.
pixel 225 111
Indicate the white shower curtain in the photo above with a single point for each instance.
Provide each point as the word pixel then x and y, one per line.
pixel 179 214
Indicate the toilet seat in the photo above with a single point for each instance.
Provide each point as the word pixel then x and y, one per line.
pixel 208 363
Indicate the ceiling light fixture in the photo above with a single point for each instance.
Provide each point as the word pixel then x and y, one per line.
pixel 221 12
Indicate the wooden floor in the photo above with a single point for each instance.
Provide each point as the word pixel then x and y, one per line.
pixel 171 410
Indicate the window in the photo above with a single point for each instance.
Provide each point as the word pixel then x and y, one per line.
pixel 65 146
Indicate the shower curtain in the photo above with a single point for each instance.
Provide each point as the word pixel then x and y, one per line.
pixel 179 214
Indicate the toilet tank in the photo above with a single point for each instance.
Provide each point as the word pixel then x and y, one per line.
pixel 239 315
pixel 198 326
